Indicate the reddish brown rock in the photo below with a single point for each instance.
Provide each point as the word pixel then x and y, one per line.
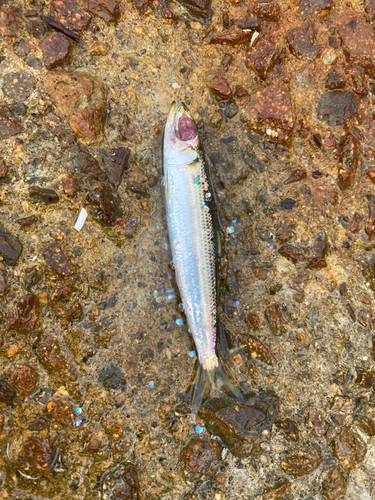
pixel 8 126
pixel 56 259
pixel 336 106
pixel 270 110
pixel 253 320
pixel 70 184
pixel 108 10
pixel 291 253
pixel 3 169
pixel 24 378
pixel 313 7
pixel 201 458
pixel 57 48
pixel 295 176
pixel 75 312
pixel 7 392
pixel 358 41
pixel 10 247
pixel 70 14
pixel 115 164
pixel 8 23
pixel 49 353
pixel 277 491
pixel 87 164
pixel 233 38
pixel 304 461
pixel 81 100
pixel 218 85
pixel 34 453
pixel 27 221
pixel 274 319
pixel 18 85
pixel 137 189
pixel 267 9
pixel 348 156
pixel 45 195
pixel 263 58
pixel 254 348
pixel 60 412
pixel 301 42
pixel 24 314
pixel 348 448
pixel 105 205
pixel 316 421
pixel 316 263
pixel 333 485
pixel 4 287
pixel 289 428
pixel 64 292
pixel 300 282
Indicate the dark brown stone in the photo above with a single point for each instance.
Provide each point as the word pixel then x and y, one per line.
pixel 247 23
pixel 57 48
pixel 56 259
pixel 18 85
pixel 277 491
pixel 263 58
pixel 115 165
pixel 359 81
pixel 121 482
pixel 296 175
pixel 316 421
pixel 271 108
pixel 75 312
pixel 199 10
pixel 4 287
pixel 365 379
pixel 3 169
pixel 70 14
pixel 8 24
pixel 289 428
pixel 253 320
pixel 80 98
pixel 36 28
pixel 316 263
pixel 45 195
pixel 370 224
pixel 7 392
pixel 35 453
pixel 241 427
pixel 24 314
pixel 350 312
pixel 24 378
pixel 64 292
pixel 304 461
pixel 335 106
pixel 108 10
pixel 313 7
pixel 254 348
pixel 49 353
pixel 333 485
pixel 301 42
pixel 335 81
pixel 27 221
pixel 8 126
pixel 105 206
pixel 348 155
pixel 70 184
pixel 358 41
pixel 201 458
pixel 60 28
pixel 267 9
pixel 218 85
pixel 88 165
pixel 233 38
pixel 291 253
pixel 354 225
pixel 274 319
pixel 61 412
pixel 348 448
pixel 137 189
pixel 10 247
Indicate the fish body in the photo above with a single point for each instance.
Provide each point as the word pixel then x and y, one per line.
pixel 191 230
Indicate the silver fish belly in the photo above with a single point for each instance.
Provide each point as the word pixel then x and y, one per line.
pixel 191 231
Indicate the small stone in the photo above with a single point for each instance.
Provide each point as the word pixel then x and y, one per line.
pixel 366 424
pixel 287 204
pixel 199 10
pixel 267 9
pixel 75 312
pixel 270 109
pixel 61 412
pixel 335 81
pixel 305 461
pixel 274 319
pixel 35 453
pixel 291 253
pixel 39 424
pixel 253 321
pixel 239 38
pixel 289 428
pixel 277 491
pixel 27 221
pixel 70 14
pixel 350 312
pixel 18 85
pixel 335 106
pixel 24 314
pixel 126 134
pixel 112 378
pixel 49 353
pixel 348 448
pixel 115 164
pixel 201 458
pixel 87 164
pixel 32 277
pixel 358 41
pixel 70 184
pixel 98 49
pixel 137 189
pixel 217 119
pixel 365 379
pixel 359 79
pixel 313 7
pixel 316 263
pixel 8 126
pixel 80 98
pixel 283 234
pixel 4 287
pixel 108 10
pixel 301 42
pixel 3 169
pixel 333 485
pixel 8 23
pixel 45 195
pixel 364 317
pixel 263 58
pixel 348 156
pixel 37 29
pixel 57 49
pixel 7 392
pixel 295 176
pixel 121 483
pixel 105 206
pixel 329 57
pixel 24 378
pixel 369 10
pixel 56 259
pixel 254 348
pixel 316 421
pixel 64 292
pixel 218 85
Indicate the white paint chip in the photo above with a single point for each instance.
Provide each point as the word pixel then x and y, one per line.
pixel 81 219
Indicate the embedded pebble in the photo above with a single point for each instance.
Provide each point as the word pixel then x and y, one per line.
pixel 115 164
pixel 201 457
pixel 18 85
pixel 57 49
pixel 24 314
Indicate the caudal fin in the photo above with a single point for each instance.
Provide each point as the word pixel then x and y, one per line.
pixel 212 383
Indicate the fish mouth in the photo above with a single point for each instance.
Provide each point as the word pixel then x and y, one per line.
pixel 180 120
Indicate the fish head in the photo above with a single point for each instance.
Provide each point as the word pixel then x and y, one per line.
pixel 181 139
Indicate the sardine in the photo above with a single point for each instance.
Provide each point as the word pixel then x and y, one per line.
pixel 189 205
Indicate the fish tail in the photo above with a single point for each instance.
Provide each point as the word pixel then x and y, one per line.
pixel 211 383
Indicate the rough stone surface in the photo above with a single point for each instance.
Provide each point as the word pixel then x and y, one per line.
pixel 56 49
pixel 56 259
pixel 263 57
pixel 301 42
pixel 70 14
pixel 18 85
pixel 335 106
pixel 10 247
pixel 24 314
pixel 115 164
pixel 109 10
pixel 201 457
pixel 8 126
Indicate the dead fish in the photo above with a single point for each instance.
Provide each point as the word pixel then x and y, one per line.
pixel 192 235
